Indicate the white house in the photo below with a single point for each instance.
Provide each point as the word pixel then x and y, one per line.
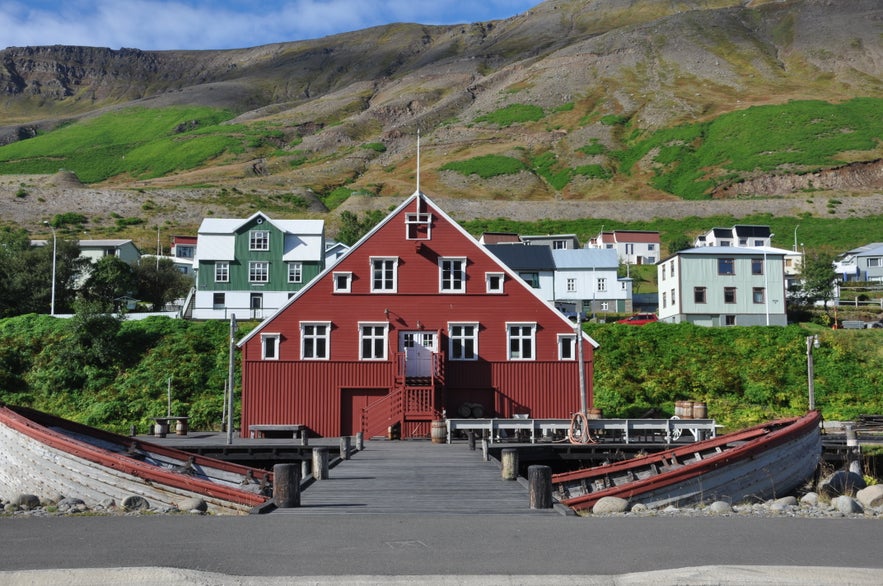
pixel 723 286
pixel 633 247
pixel 534 264
pixel 586 282
pixel 864 263
pixel 553 241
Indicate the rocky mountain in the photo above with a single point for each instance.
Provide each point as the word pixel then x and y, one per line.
pixel 654 63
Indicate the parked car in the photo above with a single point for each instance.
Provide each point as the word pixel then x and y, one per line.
pixel 639 319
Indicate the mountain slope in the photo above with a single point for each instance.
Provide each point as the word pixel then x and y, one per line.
pixel 603 74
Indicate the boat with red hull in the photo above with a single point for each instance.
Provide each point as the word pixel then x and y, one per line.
pixel 761 462
pixel 46 455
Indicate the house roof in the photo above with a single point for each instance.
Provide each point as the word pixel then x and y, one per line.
pixel 104 243
pixel 734 251
pixel 750 231
pixel 649 236
pixel 873 249
pixel 499 237
pixel 423 202
pixel 586 258
pixel 230 225
pixel 524 257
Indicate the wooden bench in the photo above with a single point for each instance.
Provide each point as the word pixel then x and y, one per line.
pixel 293 430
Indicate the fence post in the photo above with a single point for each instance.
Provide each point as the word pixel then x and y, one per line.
pixel 286 486
pixel 320 463
pixel 345 448
pixel 509 459
pixel 539 480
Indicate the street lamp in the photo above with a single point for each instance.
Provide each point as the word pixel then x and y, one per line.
pixel 54 254
pixel 811 342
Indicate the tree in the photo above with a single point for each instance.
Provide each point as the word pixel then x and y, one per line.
pixel 818 276
pixel 160 282
pixel 109 280
pixel 352 228
pixel 679 243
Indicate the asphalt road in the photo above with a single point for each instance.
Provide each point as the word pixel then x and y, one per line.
pixel 480 549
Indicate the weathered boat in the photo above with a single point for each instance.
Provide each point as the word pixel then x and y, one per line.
pixel 761 462
pixel 45 455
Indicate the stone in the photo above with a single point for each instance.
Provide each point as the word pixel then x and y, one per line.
pixel 135 503
pixel 67 504
pixel 841 482
pixel 640 508
pixel 786 501
pixel 847 505
pixel 810 499
pixel 610 504
pixel 193 504
pixel 27 501
pixel 720 508
pixel 871 496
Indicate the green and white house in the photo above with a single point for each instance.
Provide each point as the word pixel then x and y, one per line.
pixel 251 267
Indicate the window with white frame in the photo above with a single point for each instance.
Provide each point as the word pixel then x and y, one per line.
pixel 559 244
pixel 372 341
pixel 222 272
pixel 315 340
pixel 218 300
pixel 605 306
pixel 259 240
pixel 522 341
pixel 295 272
pixel 270 346
pixel 875 261
pixel 463 341
pixel 494 282
pixel 343 282
pixel 602 284
pixel 418 226
pixel 384 275
pixel 452 275
pixel 571 285
pixel 651 246
pixel 566 347
pixel 258 271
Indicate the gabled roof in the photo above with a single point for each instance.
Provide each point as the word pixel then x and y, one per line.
pixel 586 258
pixel 231 225
pixel 873 249
pixel 749 231
pixel 524 257
pixel 423 202
pixel 499 238
pixel 734 251
pixel 650 236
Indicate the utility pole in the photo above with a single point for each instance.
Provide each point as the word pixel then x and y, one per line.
pixel 54 256
pixel 230 380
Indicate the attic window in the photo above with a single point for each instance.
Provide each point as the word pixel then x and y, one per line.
pixel 418 226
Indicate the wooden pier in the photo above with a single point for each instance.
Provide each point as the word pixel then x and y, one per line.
pixel 416 477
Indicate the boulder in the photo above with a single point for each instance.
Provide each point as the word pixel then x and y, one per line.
pixel 786 501
pixel 193 504
pixel 26 501
pixel 610 504
pixel 720 508
pixel 135 503
pixel 810 499
pixel 847 505
pixel 841 482
pixel 871 496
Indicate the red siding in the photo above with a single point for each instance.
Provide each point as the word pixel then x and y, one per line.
pixel 289 390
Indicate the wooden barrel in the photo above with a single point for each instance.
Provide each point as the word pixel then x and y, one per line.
pixel 699 410
pixel 684 409
pixel 181 427
pixel 439 433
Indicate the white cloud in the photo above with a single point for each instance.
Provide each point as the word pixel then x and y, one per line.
pixel 202 24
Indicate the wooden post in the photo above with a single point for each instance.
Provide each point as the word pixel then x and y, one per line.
pixel 360 441
pixel 286 486
pixel 509 458
pixel 305 470
pixel 484 450
pixel 320 463
pixel 471 435
pixel 539 479
pixel 304 440
pixel 345 448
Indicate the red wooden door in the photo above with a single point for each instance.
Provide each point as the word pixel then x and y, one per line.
pixel 352 403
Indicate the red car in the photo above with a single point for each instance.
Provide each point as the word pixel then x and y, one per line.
pixel 639 319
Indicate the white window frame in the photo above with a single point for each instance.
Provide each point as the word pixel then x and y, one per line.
pixel 222 271
pixel 383 339
pixel 464 338
pixel 265 340
pixel 259 240
pixel 344 286
pixel 571 285
pixel 452 283
pixel 307 332
pixel 489 277
pixel 418 226
pixel 602 284
pixel 256 274
pixel 520 337
pixel 296 272
pixel 393 284
pixel 563 341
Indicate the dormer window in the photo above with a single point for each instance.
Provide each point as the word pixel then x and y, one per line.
pixel 418 226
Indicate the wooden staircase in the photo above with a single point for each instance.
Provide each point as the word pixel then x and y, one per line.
pixel 411 406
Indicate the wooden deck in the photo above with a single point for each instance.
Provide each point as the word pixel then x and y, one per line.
pixel 415 477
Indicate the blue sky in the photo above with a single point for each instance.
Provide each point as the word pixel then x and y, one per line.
pixel 206 24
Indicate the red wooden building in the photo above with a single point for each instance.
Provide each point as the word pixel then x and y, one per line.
pixel 415 320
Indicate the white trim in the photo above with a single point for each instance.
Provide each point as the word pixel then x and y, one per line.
pixel 532 338
pixel 572 339
pixel 385 340
pixel 474 338
pixel 395 273
pixel 348 275
pixel 441 274
pixel 326 337
pixel 276 345
pixel 487 283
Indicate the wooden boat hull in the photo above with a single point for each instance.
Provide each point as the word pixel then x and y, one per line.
pixel 765 461
pixel 47 455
